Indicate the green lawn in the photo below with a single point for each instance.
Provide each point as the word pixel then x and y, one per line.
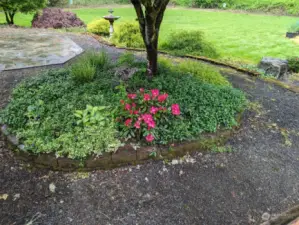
pixel 240 37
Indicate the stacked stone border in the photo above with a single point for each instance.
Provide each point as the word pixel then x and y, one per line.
pixel 129 154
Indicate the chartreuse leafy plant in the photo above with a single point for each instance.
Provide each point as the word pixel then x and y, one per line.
pixel 127 34
pixel 203 72
pixel 54 113
pixel 100 27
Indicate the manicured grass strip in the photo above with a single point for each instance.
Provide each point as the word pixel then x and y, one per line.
pixel 237 37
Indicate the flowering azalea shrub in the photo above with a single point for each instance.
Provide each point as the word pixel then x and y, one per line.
pixel 141 113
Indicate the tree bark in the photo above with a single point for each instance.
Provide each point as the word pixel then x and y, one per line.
pixel 9 16
pixel 149 23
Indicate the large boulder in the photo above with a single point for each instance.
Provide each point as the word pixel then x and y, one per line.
pixel 56 18
pixel 274 67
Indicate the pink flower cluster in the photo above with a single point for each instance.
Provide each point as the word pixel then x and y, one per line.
pixel 143 109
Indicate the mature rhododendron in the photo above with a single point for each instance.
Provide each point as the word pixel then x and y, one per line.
pixel 142 112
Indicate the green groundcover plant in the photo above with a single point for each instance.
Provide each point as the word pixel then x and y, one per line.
pixel 52 112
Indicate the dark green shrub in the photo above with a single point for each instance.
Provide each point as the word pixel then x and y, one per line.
pixel 189 42
pixel 203 3
pixel 100 27
pixel 128 34
pixel 294 64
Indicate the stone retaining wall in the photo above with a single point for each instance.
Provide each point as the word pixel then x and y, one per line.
pixel 126 155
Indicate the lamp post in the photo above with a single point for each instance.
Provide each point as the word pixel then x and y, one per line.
pixel 111 18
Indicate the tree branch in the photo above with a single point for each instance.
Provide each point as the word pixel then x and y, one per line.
pixel 140 16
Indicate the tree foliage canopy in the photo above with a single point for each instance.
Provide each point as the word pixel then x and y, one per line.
pixel 11 7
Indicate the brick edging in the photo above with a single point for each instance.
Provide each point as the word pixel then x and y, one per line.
pixel 125 155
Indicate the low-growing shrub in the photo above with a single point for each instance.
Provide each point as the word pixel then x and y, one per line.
pixel 56 18
pixel 294 28
pixel 142 113
pixel 189 42
pixel 203 3
pixel 203 72
pixel 100 27
pixel 294 64
pixel 128 34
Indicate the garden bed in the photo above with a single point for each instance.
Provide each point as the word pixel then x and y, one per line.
pixel 86 116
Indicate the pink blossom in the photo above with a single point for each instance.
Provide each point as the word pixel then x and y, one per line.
pixel 164 109
pixel 163 97
pixel 154 110
pixel 175 108
pixel 133 105
pixel 141 90
pixel 127 106
pixel 146 97
pixel 155 93
pixel 132 96
pixel 151 124
pixel 149 138
pixel 137 124
pixel 135 112
pixel 147 117
pixel 128 122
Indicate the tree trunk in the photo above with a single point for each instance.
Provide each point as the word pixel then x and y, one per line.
pixel 152 58
pixel 12 15
pixel 9 16
pixel 150 17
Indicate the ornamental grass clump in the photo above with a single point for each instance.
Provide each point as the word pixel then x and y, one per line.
pixel 141 113
pixel 294 64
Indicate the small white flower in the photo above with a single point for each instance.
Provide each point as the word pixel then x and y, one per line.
pixel 52 187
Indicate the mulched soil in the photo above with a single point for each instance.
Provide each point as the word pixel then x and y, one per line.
pixel 260 176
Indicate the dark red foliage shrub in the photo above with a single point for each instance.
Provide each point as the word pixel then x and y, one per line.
pixel 56 18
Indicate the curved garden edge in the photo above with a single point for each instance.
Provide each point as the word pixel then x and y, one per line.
pixel 288 217
pixel 292 88
pixel 124 156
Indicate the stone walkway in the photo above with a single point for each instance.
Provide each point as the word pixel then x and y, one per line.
pixel 24 48
pixel 259 179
